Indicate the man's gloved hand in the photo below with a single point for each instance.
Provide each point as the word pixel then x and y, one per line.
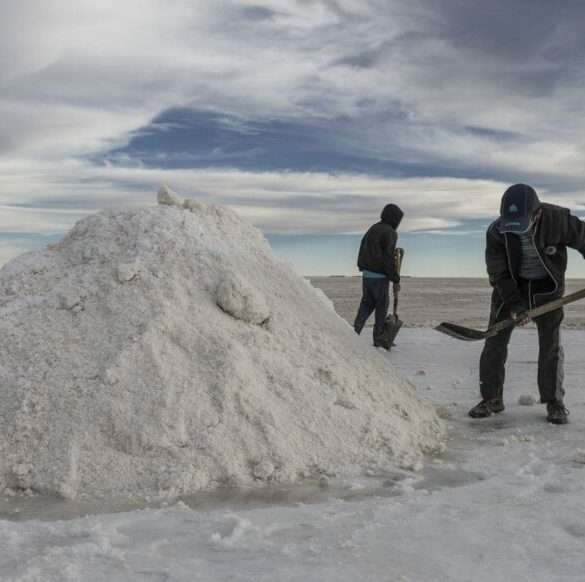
pixel 396 288
pixel 521 318
pixel 520 314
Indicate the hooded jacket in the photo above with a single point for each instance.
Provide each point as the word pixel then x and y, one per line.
pixel 378 244
pixel 555 229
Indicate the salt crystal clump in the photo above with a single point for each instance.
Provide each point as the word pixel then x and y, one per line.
pixel 263 470
pixel 127 271
pixel 238 298
pixel 167 197
pixel 526 400
pixel 120 374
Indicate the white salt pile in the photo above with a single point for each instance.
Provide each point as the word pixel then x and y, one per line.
pixel 164 350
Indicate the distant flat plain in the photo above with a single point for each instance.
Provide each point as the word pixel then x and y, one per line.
pixel 426 302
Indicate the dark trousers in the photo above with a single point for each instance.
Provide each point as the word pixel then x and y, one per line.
pixel 492 363
pixel 375 297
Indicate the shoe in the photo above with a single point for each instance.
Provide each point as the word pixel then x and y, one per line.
pixel 556 412
pixel 486 408
pixel 381 341
pixel 382 344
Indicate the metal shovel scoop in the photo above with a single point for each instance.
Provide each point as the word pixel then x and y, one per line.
pixel 471 335
pixel 393 323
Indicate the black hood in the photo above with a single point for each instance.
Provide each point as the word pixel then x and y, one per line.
pixel 392 215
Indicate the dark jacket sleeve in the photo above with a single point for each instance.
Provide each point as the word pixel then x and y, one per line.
pixel 576 234
pixel 389 259
pixel 360 253
pixel 498 269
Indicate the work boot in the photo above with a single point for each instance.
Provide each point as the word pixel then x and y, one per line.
pixel 486 408
pixel 381 343
pixel 556 412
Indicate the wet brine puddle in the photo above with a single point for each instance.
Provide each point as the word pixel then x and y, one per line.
pixel 433 477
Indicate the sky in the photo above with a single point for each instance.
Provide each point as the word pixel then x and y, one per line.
pixel 305 116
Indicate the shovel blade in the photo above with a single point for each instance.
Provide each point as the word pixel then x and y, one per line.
pixel 392 326
pixel 472 335
pixel 462 333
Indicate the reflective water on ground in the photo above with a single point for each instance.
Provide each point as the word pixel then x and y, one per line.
pixel 432 478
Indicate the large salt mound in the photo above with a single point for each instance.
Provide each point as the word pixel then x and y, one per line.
pixel 165 350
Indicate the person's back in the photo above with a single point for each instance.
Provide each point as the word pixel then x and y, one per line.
pixel 376 262
pixel 377 247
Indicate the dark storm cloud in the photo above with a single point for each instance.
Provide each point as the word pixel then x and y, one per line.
pixel 364 60
pixel 197 139
pixel 187 139
pixel 512 31
pixel 527 46
pixel 257 13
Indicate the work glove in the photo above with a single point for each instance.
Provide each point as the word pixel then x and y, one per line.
pixel 521 318
pixel 520 314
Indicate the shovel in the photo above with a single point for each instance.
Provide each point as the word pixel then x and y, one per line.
pixel 471 335
pixel 393 323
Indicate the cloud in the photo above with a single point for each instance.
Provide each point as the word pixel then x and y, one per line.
pixel 456 100
pixel 279 202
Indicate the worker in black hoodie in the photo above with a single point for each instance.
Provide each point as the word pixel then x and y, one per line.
pixel 376 262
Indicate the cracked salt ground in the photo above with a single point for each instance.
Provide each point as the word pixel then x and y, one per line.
pixel 516 510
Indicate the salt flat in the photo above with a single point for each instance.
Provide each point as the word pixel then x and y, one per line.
pixel 506 501
pixel 426 301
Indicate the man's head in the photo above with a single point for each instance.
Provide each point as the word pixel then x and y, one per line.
pixel 519 205
pixel 392 215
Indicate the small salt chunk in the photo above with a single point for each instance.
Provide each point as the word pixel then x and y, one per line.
pixel 580 456
pixel 167 197
pixel 69 298
pixel 263 470
pixel 241 300
pixel 526 400
pixel 127 272
pixel 421 373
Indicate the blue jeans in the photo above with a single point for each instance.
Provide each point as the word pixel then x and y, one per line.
pixel 375 297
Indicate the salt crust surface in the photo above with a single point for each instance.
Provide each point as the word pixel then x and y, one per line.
pixel 164 350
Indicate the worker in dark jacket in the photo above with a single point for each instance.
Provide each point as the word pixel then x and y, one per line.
pixel 377 264
pixel 526 257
